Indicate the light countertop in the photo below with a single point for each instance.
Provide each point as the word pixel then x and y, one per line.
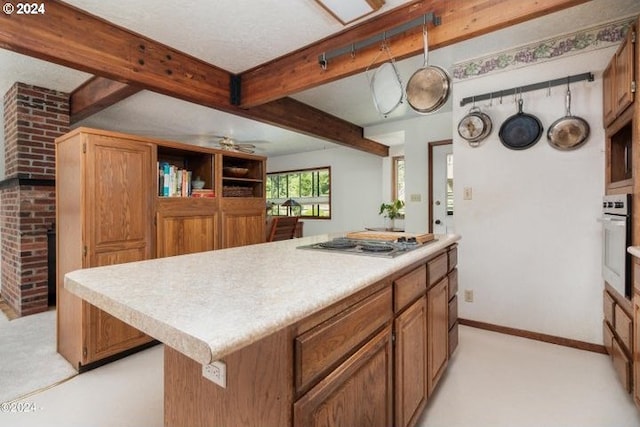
pixel 634 250
pixel 209 304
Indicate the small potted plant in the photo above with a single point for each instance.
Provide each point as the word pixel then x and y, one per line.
pixel 391 211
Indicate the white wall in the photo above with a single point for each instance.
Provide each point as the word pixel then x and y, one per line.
pixel 356 178
pixel 418 133
pixel 531 246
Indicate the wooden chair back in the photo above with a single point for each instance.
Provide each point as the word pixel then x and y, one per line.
pixel 283 228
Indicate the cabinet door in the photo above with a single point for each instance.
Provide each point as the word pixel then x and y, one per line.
pixel 243 222
pixel 185 234
pixel 411 363
pixel 356 393
pixel 608 93
pixel 624 73
pixel 438 331
pixel 636 348
pixel 118 228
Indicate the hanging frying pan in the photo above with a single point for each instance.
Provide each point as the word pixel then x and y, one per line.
pixel 568 132
pixel 428 87
pixel 521 130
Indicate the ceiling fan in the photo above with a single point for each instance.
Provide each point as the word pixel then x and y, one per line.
pixel 227 143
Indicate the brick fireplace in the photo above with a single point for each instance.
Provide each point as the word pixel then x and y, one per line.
pixel 33 118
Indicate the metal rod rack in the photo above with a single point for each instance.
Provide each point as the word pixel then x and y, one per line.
pixel 430 17
pixel 527 88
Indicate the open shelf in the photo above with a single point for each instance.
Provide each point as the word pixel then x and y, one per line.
pixel 195 165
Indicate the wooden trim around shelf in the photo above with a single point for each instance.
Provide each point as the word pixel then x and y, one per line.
pixel 552 339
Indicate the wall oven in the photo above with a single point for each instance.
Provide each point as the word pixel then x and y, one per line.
pixel 616 238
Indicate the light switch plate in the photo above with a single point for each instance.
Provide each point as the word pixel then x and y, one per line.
pixel 468 193
pixel 415 198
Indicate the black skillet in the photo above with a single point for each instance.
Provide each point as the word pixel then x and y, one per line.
pixel 521 130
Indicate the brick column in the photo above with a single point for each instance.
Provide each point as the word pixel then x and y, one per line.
pixel 33 118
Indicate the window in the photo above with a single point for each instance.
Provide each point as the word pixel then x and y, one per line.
pixel 308 189
pixel 397 178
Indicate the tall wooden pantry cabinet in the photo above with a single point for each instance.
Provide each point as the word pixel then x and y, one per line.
pixel 113 206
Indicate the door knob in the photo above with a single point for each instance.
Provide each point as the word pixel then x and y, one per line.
pixel 438 222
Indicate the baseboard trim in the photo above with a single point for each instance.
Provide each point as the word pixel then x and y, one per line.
pixel 552 339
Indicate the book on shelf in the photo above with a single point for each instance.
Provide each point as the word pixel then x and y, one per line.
pixel 173 181
pixel 205 192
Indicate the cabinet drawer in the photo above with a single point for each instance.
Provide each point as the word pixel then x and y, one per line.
pixel 453 283
pixel 320 349
pixel 621 364
pixel 453 311
pixel 436 269
pixel 624 327
pixel 408 287
pixel 453 338
pixel 608 308
pixel 607 337
pixel 453 258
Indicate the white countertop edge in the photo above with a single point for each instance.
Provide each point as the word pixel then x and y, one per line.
pixel 634 250
pixel 187 341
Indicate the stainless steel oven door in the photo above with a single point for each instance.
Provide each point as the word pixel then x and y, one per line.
pixel 614 251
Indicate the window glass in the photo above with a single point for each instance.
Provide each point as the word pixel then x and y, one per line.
pixel 305 193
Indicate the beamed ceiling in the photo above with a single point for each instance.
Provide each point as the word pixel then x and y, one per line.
pixel 125 63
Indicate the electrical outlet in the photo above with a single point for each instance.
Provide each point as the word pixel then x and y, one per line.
pixel 468 295
pixel 216 372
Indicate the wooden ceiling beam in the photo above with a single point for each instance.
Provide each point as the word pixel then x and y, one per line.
pixel 69 36
pixel 461 20
pixel 125 62
pixel 297 116
pixel 95 95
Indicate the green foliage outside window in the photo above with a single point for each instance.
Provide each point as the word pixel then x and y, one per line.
pixel 311 188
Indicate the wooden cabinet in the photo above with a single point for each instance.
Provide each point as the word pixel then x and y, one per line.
pixel 438 331
pixel 618 80
pixel 321 348
pixel 186 226
pixel 618 335
pixel 452 255
pixel 411 383
pixel 619 83
pixel 104 217
pixel 357 393
pixel 111 209
pixel 636 348
pixel 243 221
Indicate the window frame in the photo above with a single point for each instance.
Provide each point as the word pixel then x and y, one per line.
pixel 301 199
pixel 394 181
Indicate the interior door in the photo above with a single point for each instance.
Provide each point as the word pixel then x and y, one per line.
pixel 442 180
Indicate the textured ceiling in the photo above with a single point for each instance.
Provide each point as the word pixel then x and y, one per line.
pixel 237 35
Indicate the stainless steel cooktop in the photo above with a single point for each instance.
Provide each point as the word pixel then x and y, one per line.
pixel 376 248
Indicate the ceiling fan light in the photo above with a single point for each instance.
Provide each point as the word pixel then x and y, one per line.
pixel 350 10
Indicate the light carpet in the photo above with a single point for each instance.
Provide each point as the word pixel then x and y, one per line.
pixel 29 361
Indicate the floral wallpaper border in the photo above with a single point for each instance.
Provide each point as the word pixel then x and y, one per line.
pixel 569 44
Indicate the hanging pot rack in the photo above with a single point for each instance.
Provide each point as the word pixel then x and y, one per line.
pixel 528 88
pixel 325 57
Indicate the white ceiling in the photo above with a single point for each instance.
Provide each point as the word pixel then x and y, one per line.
pixel 237 35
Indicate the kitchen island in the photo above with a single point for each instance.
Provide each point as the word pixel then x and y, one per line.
pixel 286 322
